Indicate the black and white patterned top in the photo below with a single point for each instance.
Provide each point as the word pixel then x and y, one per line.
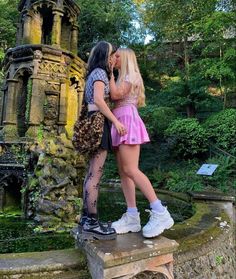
pixel 97 74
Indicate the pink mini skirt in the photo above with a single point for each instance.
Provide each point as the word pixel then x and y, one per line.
pixel 136 131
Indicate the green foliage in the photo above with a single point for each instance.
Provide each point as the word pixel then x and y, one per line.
pixel 157 119
pixel 184 181
pixel 183 176
pixel 40 133
pixel 187 94
pixel 18 235
pixel 195 37
pixel 221 128
pixel 224 178
pixel 187 138
pixel 8 23
pixel 175 19
pixel 109 20
pixel 79 204
pixel 110 168
pixel 219 260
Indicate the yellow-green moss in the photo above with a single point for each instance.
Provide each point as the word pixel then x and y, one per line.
pixel 184 233
pixel 198 240
pixel 10 132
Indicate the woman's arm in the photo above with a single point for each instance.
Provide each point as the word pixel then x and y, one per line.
pixel 99 87
pixel 118 92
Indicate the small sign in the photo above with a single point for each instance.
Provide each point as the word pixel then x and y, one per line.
pixel 207 169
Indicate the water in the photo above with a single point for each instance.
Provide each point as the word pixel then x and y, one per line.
pixel 112 205
pixel 19 235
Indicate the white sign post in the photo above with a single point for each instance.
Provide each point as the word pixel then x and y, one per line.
pixel 207 169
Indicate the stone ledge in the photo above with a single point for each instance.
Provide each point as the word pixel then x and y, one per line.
pixel 35 263
pixel 214 196
pixel 128 248
pixel 129 255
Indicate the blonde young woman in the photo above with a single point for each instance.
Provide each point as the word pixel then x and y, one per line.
pixel 128 95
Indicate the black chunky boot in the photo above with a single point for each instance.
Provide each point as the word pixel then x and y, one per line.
pixel 93 229
pixel 84 217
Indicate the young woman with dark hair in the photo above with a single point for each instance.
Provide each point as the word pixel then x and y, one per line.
pixel 97 92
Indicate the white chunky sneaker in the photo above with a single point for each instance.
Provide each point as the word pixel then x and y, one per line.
pixel 158 222
pixel 127 223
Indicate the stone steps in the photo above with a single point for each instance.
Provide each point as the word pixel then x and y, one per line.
pixel 57 264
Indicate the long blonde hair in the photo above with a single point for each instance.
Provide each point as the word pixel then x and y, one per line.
pixel 129 68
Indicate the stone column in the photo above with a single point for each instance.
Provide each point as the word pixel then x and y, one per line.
pixel 19 34
pixel 26 29
pixel 63 106
pixel 11 100
pixel 36 107
pixel 36 103
pixel 36 30
pixel 56 28
pixel 74 39
pixel 10 108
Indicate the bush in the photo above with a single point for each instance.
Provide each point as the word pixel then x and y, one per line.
pixel 222 129
pixel 184 177
pixel 224 178
pixel 157 119
pixel 187 138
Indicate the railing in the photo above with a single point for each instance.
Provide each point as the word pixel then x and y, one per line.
pixel 218 151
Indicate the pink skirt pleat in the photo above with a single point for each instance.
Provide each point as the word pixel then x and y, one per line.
pixel 136 131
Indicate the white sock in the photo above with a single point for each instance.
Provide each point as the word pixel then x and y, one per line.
pixel 157 206
pixel 132 210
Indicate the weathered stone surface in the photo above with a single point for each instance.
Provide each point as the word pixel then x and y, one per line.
pixel 39 73
pixel 215 196
pixel 129 255
pixel 209 250
pixel 60 264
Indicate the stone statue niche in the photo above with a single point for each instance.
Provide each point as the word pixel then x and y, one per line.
pixel 40 101
pixel 46 51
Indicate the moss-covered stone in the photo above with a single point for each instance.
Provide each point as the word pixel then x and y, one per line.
pixel 10 133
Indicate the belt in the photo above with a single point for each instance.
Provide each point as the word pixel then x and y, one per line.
pixel 92 107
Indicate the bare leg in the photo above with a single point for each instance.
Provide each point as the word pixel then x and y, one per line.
pixel 128 161
pixel 91 184
pixel 127 184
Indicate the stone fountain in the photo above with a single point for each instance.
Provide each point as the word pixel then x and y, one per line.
pixel 40 100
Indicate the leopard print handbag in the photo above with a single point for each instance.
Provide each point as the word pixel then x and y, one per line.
pixel 88 131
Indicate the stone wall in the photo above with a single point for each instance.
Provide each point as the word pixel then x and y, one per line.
pixel 215 261
pixel 53 191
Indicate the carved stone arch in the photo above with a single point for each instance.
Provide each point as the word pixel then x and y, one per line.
pixel 69 13
pixel 20 72
pixel 39 4
pixel 11 183
pixel 45 9
pixel 65 32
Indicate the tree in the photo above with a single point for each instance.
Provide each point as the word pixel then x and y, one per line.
pixel 110 20
pixel 190 32
pixel 8 24
pixel 217 49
